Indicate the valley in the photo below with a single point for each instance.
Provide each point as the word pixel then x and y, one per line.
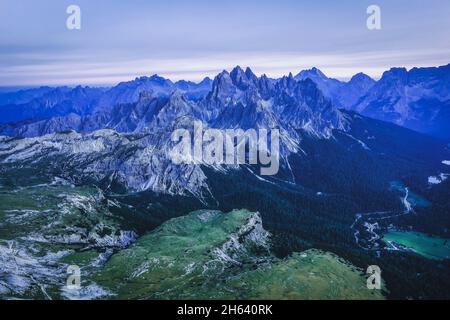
pixel 203 255
pixel 98 189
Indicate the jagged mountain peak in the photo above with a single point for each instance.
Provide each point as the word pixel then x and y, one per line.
pixel 286 82
pixel 240 78
pixel 395 73
pixel 184 84
pixel 157 77
pixel 361 77
pixel 243 79
pixel 177 106
pixel 358 85
pixel 249 73
pixel 143 81
pixel 251 100
pixel 397 70
pixel 237 72
pixel 221 82
pixel 237 69
pixel 224 75
pixel 206 80
pixel 313 72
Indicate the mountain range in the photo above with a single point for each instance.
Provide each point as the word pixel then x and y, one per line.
pixel 122 135
pixel 96 163
pixel 130 132
pixel 417 99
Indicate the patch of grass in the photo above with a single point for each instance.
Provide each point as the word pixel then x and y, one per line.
pixel 177 261
pixel 430 247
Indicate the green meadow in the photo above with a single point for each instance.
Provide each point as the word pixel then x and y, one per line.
pixel 430 247
pixel 212 255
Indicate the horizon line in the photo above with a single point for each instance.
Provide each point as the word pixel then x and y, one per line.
pixel 174 79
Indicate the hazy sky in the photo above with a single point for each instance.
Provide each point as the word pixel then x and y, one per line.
pixel 120 40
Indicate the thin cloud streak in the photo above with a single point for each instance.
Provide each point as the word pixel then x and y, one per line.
pixel 74 70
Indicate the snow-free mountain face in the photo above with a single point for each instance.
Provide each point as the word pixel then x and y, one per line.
pixel 46 103
pixel 328 86
pixel 194 91
pixel 342 94
pixel 418 99
pixel 137 162
pixel 22 96
pixel 59 101
pixel 352 91
pixel 238 99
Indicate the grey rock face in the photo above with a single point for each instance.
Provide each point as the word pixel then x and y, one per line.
pixel 139 162
pixel 130 143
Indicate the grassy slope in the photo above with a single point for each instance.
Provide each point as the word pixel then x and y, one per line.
pixel 177 260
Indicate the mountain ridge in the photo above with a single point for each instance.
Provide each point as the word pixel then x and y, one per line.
pixel 418 99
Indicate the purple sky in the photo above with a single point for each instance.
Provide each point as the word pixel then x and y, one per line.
pixel 120 40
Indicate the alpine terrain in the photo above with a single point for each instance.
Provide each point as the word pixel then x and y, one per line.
pixel 87 179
